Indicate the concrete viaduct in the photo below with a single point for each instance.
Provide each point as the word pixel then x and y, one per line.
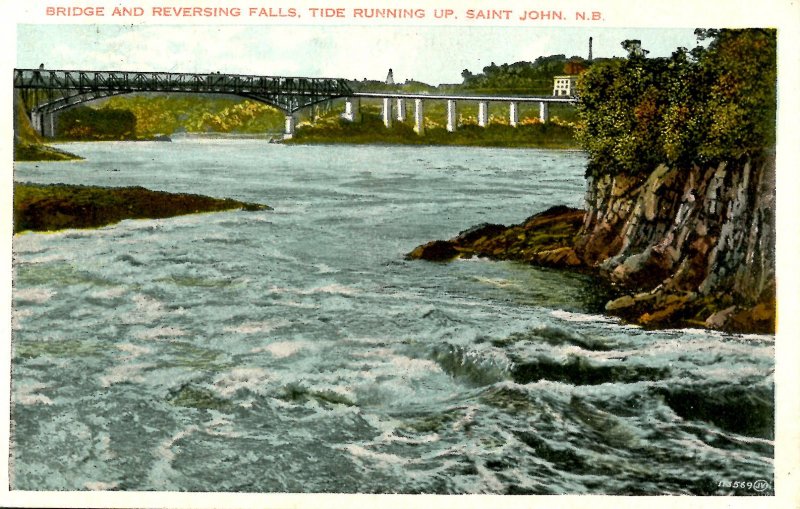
pixel 45 92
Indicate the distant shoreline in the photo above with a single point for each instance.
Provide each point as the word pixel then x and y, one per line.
pixel 312 138
pixel 372 132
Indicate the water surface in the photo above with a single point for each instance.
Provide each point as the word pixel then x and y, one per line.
pixel 295 350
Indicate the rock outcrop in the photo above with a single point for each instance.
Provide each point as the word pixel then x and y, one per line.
pixel 544 239
pixel 681 247
pixel 687 245
pixel 681 182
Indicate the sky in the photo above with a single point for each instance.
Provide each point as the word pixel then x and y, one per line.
pixel 433 55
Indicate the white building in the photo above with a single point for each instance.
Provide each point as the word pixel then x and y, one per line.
pixel 564 85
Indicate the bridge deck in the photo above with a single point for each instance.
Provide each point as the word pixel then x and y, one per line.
pixel 462 97
pixel 77 79
pixel 64 88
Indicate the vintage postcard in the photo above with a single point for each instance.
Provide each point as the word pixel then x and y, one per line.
pixel 287 254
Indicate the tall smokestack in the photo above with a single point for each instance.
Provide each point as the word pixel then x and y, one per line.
pixel 590 49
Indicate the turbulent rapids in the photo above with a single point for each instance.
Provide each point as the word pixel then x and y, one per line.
pixel 296 350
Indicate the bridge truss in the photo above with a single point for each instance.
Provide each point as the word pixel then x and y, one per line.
pixel 48 91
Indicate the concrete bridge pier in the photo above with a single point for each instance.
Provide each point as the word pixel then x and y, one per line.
pixel 544 112
pixel 352 109
pixel 387 112
pixel 49 125
pixel 419 117
pixel 288 130
pixel 44 123
pixel 483 113
pixel 452 119
pixel 401 109
pixel 36 121
pixel 513 114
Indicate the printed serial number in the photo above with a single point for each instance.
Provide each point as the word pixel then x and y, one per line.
pixel 759 485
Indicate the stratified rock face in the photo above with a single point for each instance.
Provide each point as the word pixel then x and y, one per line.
pixel 685 247
pixel 706 235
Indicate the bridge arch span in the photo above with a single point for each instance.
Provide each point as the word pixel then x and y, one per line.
pixel 45 92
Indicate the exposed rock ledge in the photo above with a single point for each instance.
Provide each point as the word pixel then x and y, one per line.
pixel 683 248
pixel 545 239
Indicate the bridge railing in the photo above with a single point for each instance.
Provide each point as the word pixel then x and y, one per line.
pixel 47 79
pixel 469 97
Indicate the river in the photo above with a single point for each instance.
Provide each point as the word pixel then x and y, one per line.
pixel 295 350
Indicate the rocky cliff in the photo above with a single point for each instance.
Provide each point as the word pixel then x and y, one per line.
pixel 682 247
pixel 687 245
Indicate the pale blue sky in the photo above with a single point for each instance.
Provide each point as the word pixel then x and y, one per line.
pixel 430 54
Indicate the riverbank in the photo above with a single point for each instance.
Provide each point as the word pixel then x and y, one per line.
pixel 552 239
pixel 372 131
pixel 40 152
pixel 28 145
pixel 40 207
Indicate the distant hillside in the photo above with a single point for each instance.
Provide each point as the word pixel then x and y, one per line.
pixel 331 128
pixel 532 78
pixel 535 78
pixel 196 113
pixel 408 87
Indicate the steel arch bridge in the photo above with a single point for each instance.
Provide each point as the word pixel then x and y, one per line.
pixel 46 91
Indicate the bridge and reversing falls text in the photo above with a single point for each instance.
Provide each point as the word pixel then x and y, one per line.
pixel 45 92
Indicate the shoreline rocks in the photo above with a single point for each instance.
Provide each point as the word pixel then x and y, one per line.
pixel 544 239
pixel 557 238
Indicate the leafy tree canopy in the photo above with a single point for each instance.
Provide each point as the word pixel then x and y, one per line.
pixel 702 106
pixel 98 124
pixel 529 77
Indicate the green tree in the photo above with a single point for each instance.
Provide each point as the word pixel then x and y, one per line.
pixel 87 123
pixel 700 106
pixel 521 77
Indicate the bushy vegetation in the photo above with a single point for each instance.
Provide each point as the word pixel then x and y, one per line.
pixel 84 123
pixel 535 78
pixel 167 114
pixel 698 106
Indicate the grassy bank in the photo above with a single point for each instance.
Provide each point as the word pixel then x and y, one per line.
pixel 38 152
pixel 371 130
pixel 28 145
pixel 40 207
